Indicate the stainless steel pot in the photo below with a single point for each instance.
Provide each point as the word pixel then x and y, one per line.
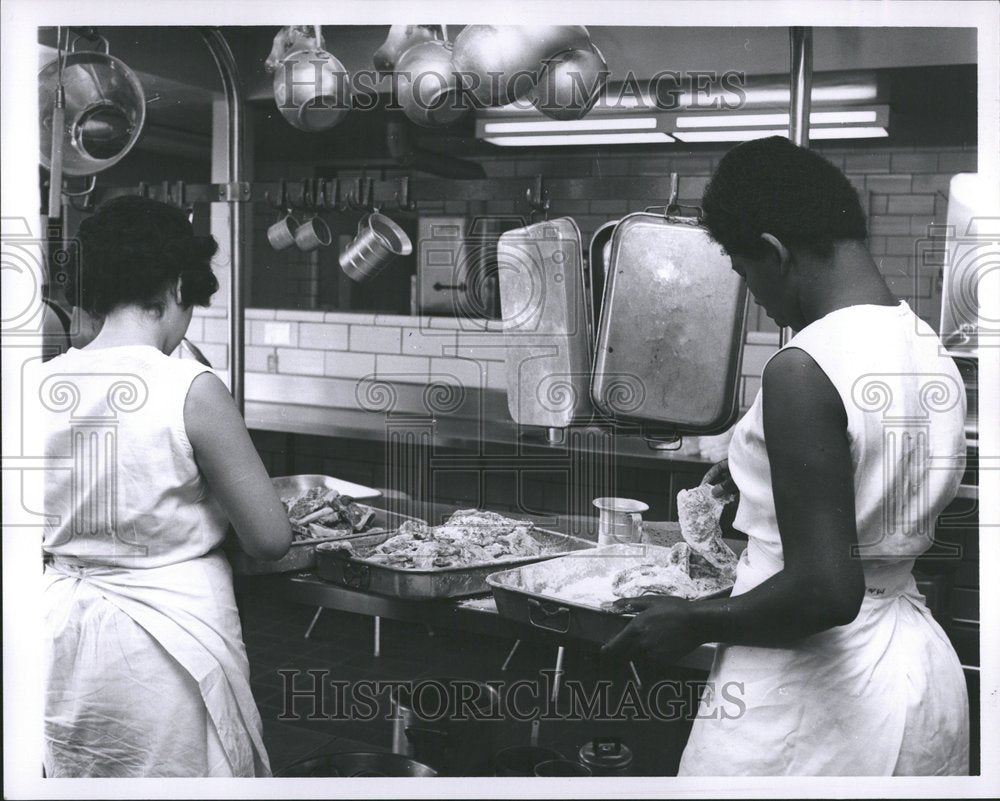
pixel 104 115
pixel 312 90
pixel 358 764
pixel 449 724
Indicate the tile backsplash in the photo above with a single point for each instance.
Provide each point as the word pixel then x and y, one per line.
pixel 395 348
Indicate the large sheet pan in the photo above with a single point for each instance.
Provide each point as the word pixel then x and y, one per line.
pixel 530 594
pixel 353 570
pixel 670 336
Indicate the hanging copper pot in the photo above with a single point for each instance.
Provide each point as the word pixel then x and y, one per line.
pixel 571 83
pixel 427 85
pixel 400 39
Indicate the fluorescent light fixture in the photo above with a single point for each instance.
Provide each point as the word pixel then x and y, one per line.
pixel 552 126
pixel 614 138
pixel 734 135
pixel 847 132
pixel 737 120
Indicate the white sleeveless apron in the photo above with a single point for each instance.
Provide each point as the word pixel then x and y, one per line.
pixel 884 694
pixel 146 672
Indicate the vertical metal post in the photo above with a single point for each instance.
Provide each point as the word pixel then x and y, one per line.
pixel 236 132
pixel 800 78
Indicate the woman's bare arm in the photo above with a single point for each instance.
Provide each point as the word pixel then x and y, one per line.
pixel 233 469
pixel 822 583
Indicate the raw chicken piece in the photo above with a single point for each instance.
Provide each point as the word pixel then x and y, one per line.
pixel 654 580
pixel 699 512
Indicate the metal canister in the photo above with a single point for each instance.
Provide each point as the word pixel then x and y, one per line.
pixel 606 756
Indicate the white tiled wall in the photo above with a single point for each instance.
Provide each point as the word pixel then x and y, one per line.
pixel 401 349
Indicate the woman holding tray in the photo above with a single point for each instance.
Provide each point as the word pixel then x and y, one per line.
pixel 146 672
pixel 851 449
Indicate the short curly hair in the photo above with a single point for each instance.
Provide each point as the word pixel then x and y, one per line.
pixel 133 249
pixel 773 186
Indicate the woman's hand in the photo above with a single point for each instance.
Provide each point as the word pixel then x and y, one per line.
pixel 721 480
pixel 665 628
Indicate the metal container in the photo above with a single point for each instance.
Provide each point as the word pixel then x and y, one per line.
pixel 606 756
pixel 457 264
pixel 358 764
pixel 519 594
pixel 670 338
pixel 444 725
pixel 355 571
pixel 597 269
pixel 547 323
pixel 520 760
pixel 302 554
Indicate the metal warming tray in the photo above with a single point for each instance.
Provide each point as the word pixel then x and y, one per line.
pixel 530 594
pixel 302 554
pixel 356 572
pixel 670 337
pixel 547 323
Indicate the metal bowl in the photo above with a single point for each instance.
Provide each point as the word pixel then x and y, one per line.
pixel 105 111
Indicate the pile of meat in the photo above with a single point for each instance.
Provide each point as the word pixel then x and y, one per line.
pixel 469 537
pixel 700 565
pixel 322 512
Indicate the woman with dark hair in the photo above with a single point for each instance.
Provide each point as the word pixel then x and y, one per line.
pixel 830 663
pixel 146 671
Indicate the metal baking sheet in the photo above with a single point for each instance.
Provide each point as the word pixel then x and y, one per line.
pixel 530 594
pixel 670 337
pixel 547 316
pixel 288 486
pixel 353 570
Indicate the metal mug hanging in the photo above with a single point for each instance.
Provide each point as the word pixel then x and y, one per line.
pixel 379 240
pixel 313 234
pixel 281 234
pixel 104 114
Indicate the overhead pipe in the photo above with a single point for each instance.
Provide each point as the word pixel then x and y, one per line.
pixel 800 97
pixel 236 162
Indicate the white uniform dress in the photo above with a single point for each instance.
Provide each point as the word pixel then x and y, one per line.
pixel 885 694
pixel 146 671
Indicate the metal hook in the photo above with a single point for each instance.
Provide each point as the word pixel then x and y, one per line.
pixel 282 202
pixel 306 198
pixel 403 200
pixel 538 197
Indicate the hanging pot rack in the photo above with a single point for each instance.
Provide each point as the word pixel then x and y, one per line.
pixel 328 194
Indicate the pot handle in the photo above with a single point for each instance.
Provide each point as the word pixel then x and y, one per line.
pixel 549 616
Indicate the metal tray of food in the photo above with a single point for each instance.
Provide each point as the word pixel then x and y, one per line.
pixel 539 594
pixel 670 336
pixel 296 485
pixel 302 553
pixel 547 316
pixel 352 569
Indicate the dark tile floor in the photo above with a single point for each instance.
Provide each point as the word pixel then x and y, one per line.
pixel 340 650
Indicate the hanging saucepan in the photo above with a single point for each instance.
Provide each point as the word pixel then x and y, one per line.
pixel 105 111
pixel 506 60
pixel 400 39
pixel 570 83
pixel 427 84
pixel 320 93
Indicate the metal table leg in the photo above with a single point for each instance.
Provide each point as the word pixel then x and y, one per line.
pixel 312 624
pixel 378 637
pixel 559 671
pixel 510 656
